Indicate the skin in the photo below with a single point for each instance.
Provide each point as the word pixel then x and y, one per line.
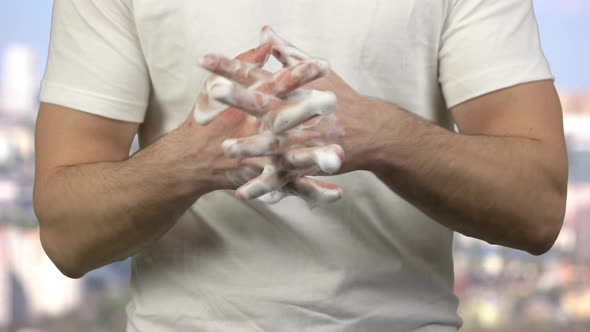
pixel 84 172
pixel 487 181
pixel 261 94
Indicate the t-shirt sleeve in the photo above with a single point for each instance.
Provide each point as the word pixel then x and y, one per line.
pixel 95 61
pixel 489 45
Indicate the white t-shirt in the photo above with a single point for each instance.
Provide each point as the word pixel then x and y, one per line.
pixel 372 263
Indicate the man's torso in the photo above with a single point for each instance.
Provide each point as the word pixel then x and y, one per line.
pixel 370 262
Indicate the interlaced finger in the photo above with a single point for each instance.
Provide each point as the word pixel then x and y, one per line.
pixel 271 179
pixel 252 146
pixel 285 52
pixel 289 79
pixel 245 73
pixel 251 101
pixel 327 158
pixel 313 191
pixel 205 108
pixel 294 114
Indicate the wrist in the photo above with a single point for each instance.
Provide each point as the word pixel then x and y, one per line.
pixel 401 140
pixel 176 162
pixel 374 135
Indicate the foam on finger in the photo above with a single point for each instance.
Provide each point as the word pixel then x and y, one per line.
pixel 266 182
pixel 252 146
pixel 327 158
pixel 317 103
pixel 282 173
pixel 206 109
pixel 253 102
pixel 314 192
pixel 236 70
pixel 289 55
pixel 273 197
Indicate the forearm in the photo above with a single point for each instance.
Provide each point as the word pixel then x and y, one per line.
pixel 94 214
pixel 499 189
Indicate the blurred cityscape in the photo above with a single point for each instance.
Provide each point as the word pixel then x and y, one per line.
pixel 508 290
pixel 34 296
pixel 500 289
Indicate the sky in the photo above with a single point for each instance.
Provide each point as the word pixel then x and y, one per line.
pixel 564 27
pixel 26 22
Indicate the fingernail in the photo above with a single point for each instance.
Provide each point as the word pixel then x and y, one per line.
pixel 323 66
pixel 208 61
pixel 338 150
pixel 266 34
pixel 240 195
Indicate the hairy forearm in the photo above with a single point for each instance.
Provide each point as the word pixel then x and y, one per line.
pixel 95 214
pixel 500 189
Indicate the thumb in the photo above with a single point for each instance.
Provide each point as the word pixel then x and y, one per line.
pixel 258 55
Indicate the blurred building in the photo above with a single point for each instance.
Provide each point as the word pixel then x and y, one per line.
pixel 577 131
pixel 19 85
pixel 499 287
pixel 575 102
pixel 45 292
pixel 18 108
pixel 31 287
pixel 5 289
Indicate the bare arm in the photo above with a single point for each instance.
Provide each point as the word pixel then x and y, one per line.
pixel 503 179
pixel 96 205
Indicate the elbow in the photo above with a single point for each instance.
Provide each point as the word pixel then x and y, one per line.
pixel 54 242
pixel 542 235
pixel 62 258
pixel 69 271
pixel 551 209
pixel 541 244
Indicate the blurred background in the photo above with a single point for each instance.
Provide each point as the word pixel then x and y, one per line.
pixel 500 289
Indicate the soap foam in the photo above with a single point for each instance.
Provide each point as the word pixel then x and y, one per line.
pixel 257 145
pixel 289 122
pixel 328 161
pixel 317 103
pixel 206 109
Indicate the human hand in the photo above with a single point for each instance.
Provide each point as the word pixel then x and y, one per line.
pixel 353 112
pixel 355 122
pixel 199 147
pixel 260 94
